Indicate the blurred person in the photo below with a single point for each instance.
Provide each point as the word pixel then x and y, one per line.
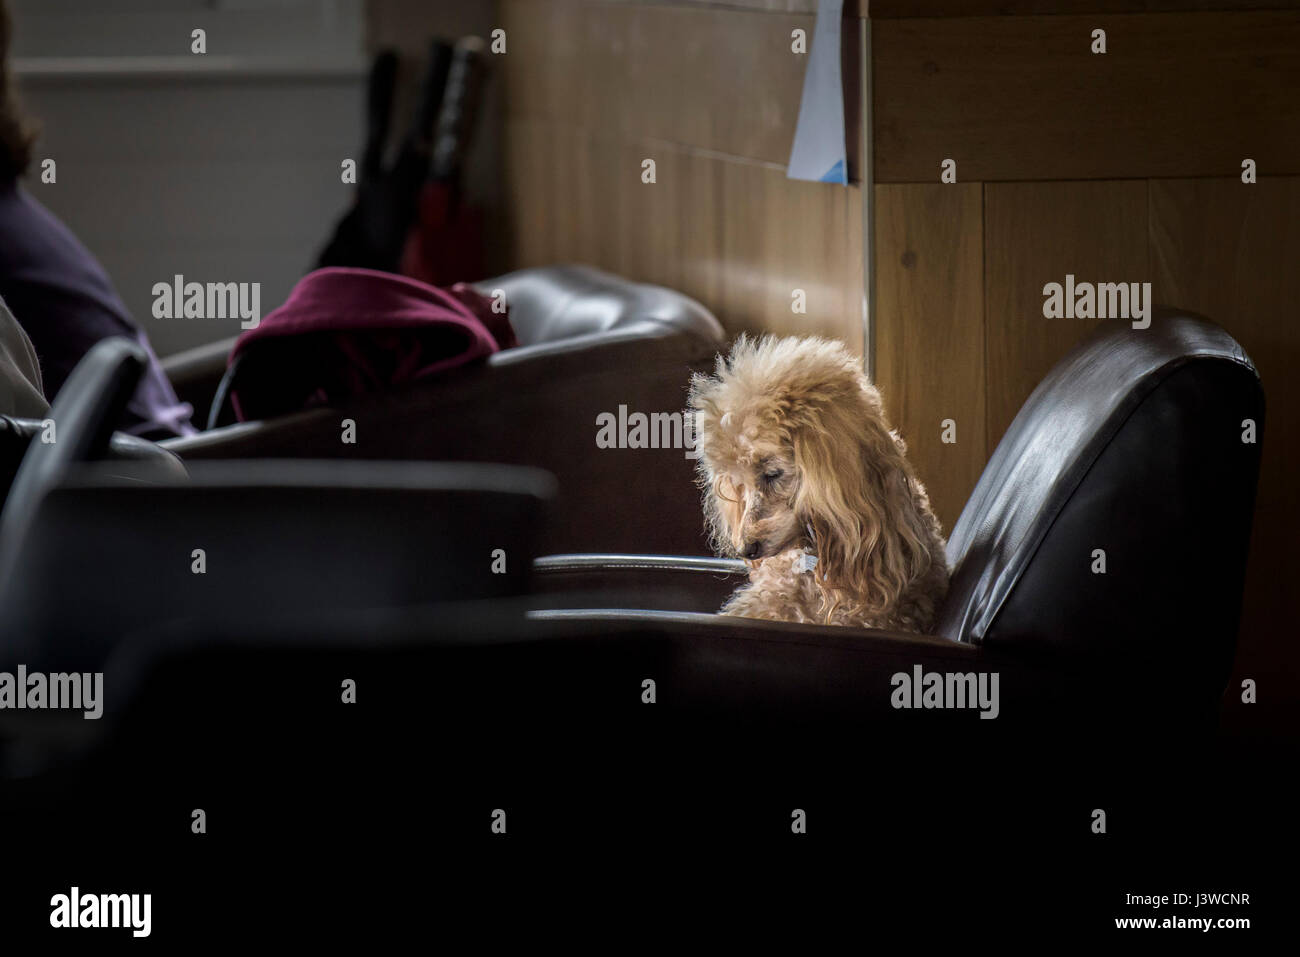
pixel 57 290
pixel 20 375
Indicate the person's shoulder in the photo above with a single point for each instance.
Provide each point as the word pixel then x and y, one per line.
pixel 34 229
pixel 44 259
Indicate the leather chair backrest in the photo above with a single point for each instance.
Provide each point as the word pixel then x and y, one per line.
pixel 1132 446
pixel 559 310
pixel 17 435
pixel 553 303
pixel 107 558
pixel 592 343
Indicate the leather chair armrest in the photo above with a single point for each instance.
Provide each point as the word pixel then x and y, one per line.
pixel 748 671
pixel 758 670
pixel 194 374
pixel 659 582
pixel 861 641
pixel 146 460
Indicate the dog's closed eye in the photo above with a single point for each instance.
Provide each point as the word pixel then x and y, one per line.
pixel 772 475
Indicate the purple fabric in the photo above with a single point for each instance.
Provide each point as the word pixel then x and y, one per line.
pixel 63 299
pixel 351 332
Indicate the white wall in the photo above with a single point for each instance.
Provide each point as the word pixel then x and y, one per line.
pixel 222 167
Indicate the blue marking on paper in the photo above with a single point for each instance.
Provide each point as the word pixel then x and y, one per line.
pixel 818 152
pixel 835 174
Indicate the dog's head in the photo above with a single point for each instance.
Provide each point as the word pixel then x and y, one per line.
pixel 795 452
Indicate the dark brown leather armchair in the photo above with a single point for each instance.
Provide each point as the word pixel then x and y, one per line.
pixel 1133 445
pixel 591 343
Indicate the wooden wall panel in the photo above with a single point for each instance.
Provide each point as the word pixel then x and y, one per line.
pixel 1123 167
pixel 1230 251
pixel 561 196
pixel 738 236
pixel 852 8
pixel 1036 233
pixel 1023 98
pixel 893 9
pixel 712 96
pixel 929 331
pixel 721 80
pixel 780 235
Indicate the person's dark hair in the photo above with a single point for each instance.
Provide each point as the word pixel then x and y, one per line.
pixel 16 133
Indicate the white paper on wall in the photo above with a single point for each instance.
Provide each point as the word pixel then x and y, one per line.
pixel 818 151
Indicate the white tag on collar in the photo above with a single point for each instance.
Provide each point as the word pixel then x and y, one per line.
pixel 806 563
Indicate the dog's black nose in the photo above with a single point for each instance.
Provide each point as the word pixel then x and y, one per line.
pixel 753 550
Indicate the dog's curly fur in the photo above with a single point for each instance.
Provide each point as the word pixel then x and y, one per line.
pixel 796 458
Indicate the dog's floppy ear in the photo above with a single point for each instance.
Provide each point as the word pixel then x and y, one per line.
pixel 723 507
pixel 856 495
pixel 723 512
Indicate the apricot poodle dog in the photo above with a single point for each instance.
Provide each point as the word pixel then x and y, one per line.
pixel 804 479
